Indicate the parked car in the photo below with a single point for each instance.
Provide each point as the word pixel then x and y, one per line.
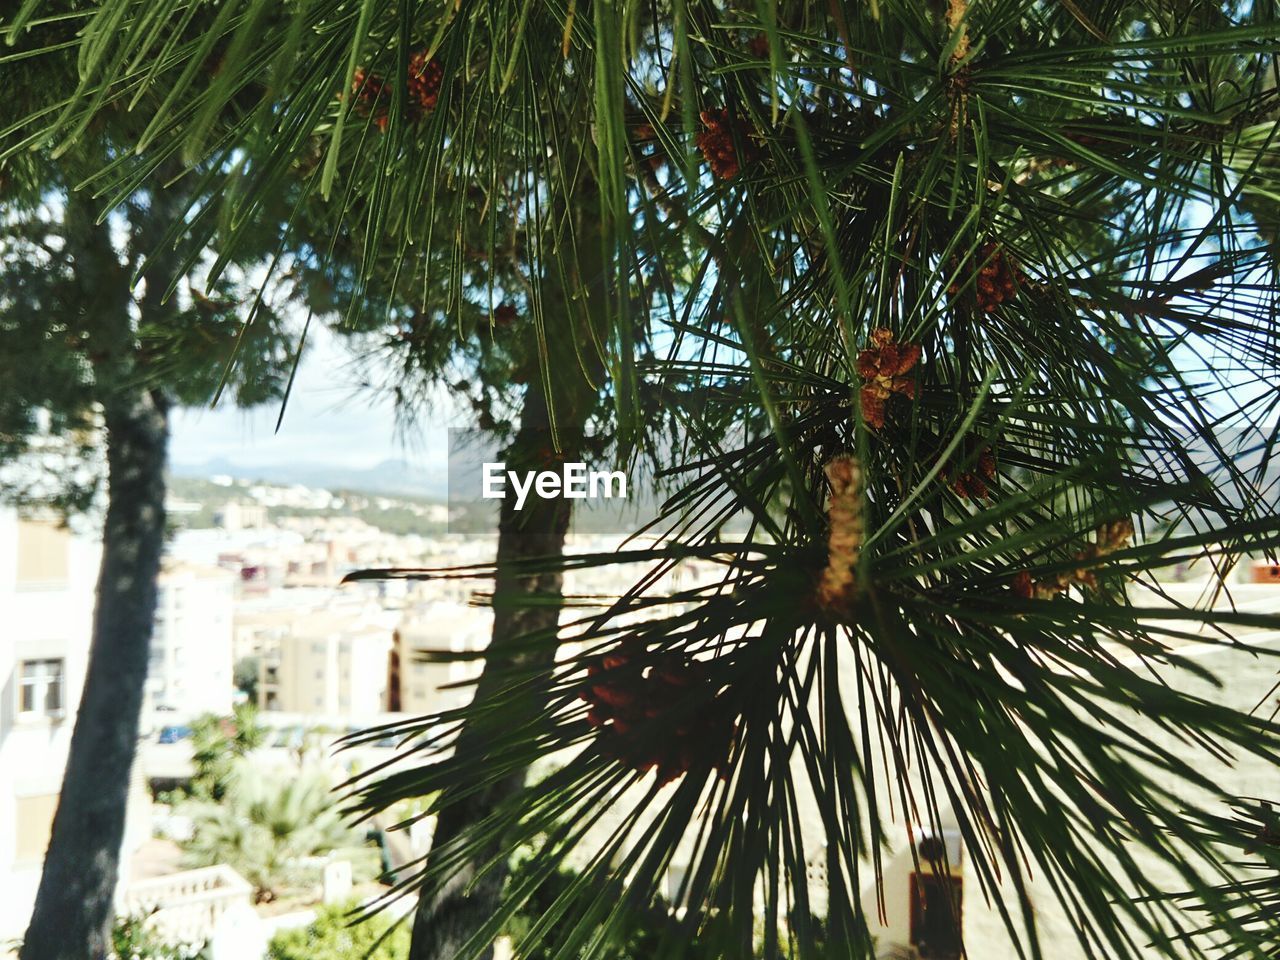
pixel 172 734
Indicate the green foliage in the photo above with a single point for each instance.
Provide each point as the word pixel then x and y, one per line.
pixel 245 675
pixel 269 824
pixel 639 935
pixel 1249 836
pixel 218 744
pixel 132 939
pixel 636 936
pixel 338 934
pixel 75 333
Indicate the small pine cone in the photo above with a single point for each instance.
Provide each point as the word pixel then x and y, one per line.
pixel 716 141
pixel 1110 538
pixel 666 718
pixel 987 463
pixel 1114 536
pixel 366 86
pixel 759 46
pixel 371 96
pixel 673 673
pixel 615 660
pixel 845 532
pixel 1086 578
pixel 611 688
pixel 996 280
pixel 615 697
pixel 970 486
pixel 425 78
pixel 883 366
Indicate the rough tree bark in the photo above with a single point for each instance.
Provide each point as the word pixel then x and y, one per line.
pixel 447 916
pixel 74 906
pixel 572 295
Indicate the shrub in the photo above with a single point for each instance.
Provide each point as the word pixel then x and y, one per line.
pixel 336 935
pixel 132 939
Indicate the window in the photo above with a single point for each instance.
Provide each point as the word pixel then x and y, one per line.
pixel 935 916
pixel 44 551
pixel 35 822
pixel 40 688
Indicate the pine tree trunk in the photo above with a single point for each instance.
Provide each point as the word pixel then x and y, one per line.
pixel 447 916
pixel 74 905
pixel 573 296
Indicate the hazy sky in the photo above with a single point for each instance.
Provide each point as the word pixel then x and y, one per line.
pixel 328 421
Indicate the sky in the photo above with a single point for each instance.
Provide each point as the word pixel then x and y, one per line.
pixel 329 420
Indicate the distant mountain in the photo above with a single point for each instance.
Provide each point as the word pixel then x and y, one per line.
pixel 390 477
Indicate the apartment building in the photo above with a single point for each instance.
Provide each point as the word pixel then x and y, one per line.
pixel 47 577
pixel 428 679
pixel 236 515
pixel 190 670
pixel 261 619
pixel 331 661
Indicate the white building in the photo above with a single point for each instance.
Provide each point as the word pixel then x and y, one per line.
pixel 47 581
pixel 190 670
pixel 330 662
pixel 428 679
pixel 47 578
pixel 265 617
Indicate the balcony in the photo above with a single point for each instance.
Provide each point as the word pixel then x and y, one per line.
pixel 185 907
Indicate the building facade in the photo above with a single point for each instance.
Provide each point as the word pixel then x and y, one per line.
pixel 332 662
pixel 46 590
pixel 190 670
pixel 47 582
pixel 433 662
